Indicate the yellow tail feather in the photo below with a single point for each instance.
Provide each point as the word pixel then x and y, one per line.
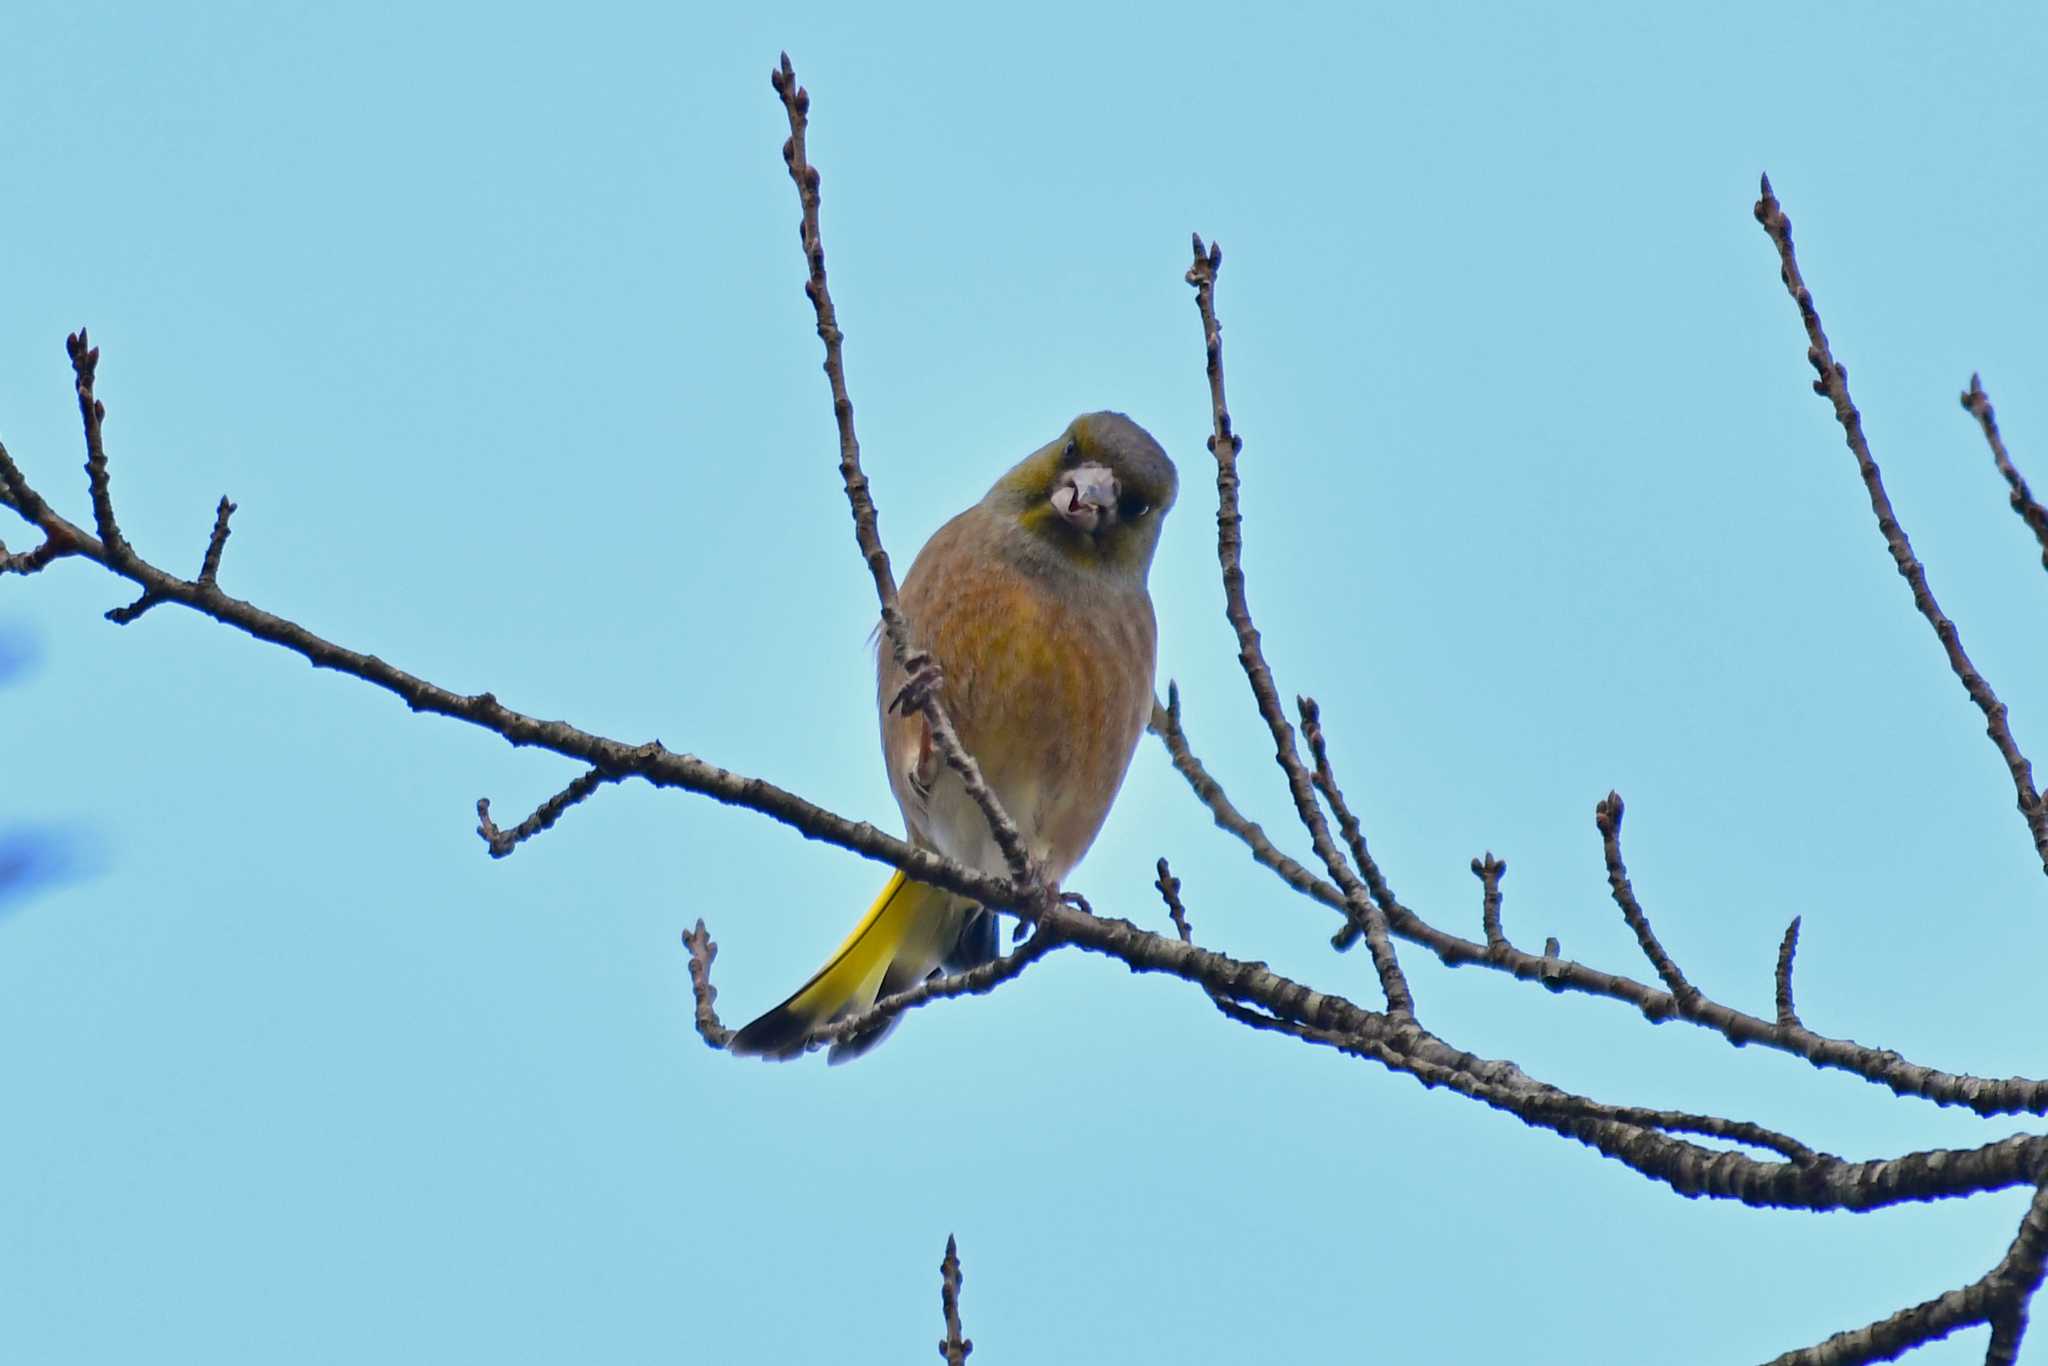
pixel 898 942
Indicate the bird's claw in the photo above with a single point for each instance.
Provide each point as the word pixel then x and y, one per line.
pixel 925 679
pixel 1032 915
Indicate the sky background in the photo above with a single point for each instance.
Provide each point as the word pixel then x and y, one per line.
pixel 491 320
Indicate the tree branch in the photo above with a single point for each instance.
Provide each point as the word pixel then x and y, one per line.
pixel 955 1346
pixel 503 842
pixel 1788 1017
pixel 1490 870
pixel 1978 404
pixel 652 761
pixel 209 565
pixel 1833 385
pixel 921 693
pixel 85 361
pixel 1607 815
pixel 1225 445
pixel 1326 783
pixel 1999 1297
pixel 1883 1067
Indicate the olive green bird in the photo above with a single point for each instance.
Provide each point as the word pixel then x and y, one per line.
pixel 1034 606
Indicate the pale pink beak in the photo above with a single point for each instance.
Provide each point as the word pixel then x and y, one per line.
pixel 1086 496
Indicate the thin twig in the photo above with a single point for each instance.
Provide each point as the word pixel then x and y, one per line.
pixel 32 561
pixel 503 842
pixel 1788 1016
pixel 703 952
pixel 1490 870
pixel 955 1346
pixel 123 616
pixel 975 981
pixel 1169 892
pixel 1882 1067
pixel 1978 404
pixel 85 360
pixel 1225 444
pixel 209 567
pixel 15 490
pixel 1166 724
pixel 921 691
pixel 1326 783
pixel 1607 815
pixel 1833 385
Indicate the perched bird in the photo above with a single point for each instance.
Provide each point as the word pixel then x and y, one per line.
pixel 1033 605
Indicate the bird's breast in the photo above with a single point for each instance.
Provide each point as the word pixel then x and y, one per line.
pixel 1048 679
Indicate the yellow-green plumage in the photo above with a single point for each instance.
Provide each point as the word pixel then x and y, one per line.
pixel 1033 603
pixel 905 924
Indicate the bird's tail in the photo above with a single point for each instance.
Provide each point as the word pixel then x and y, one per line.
pixel 897 944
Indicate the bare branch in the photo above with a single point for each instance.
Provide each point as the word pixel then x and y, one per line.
pixel 652 760
pixel 15 490
pixel 1882 1067
pixel 503 842
pixel 702 953
pixel 1607 815
pixel 123 616
pixel 1984 1095
pixel 975 981
pixel 1978 404
pixel 32 561
pixel 955 1346
pixel 1166 724
pixel 1326 783
pixel 85 360
pixel 1999 1298
pixel 1225 445
pixel 921 692
pixel 2007 1330
pixel 1543 1105
pixel 1399 1043
pixel 1833 385
pixel 1490 870
pixel 209 567
pixel 1169 892
pixel 1788 1018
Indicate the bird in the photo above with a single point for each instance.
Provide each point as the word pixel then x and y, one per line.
pixel 1033 605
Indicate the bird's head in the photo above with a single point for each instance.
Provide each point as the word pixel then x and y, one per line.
pixel 1096 495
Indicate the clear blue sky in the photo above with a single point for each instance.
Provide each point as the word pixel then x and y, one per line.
pixel 491 320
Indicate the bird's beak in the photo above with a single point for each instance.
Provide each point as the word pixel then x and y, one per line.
pixel 1085 497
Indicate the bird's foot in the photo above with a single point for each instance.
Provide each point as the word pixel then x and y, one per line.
pixel 925 679
pixel 1032 916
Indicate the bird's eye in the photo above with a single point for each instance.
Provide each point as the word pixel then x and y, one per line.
pixel 1131 507
pixel 1072 454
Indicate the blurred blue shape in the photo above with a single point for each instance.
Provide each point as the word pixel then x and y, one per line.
pixel 18 652
pixel 33 857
